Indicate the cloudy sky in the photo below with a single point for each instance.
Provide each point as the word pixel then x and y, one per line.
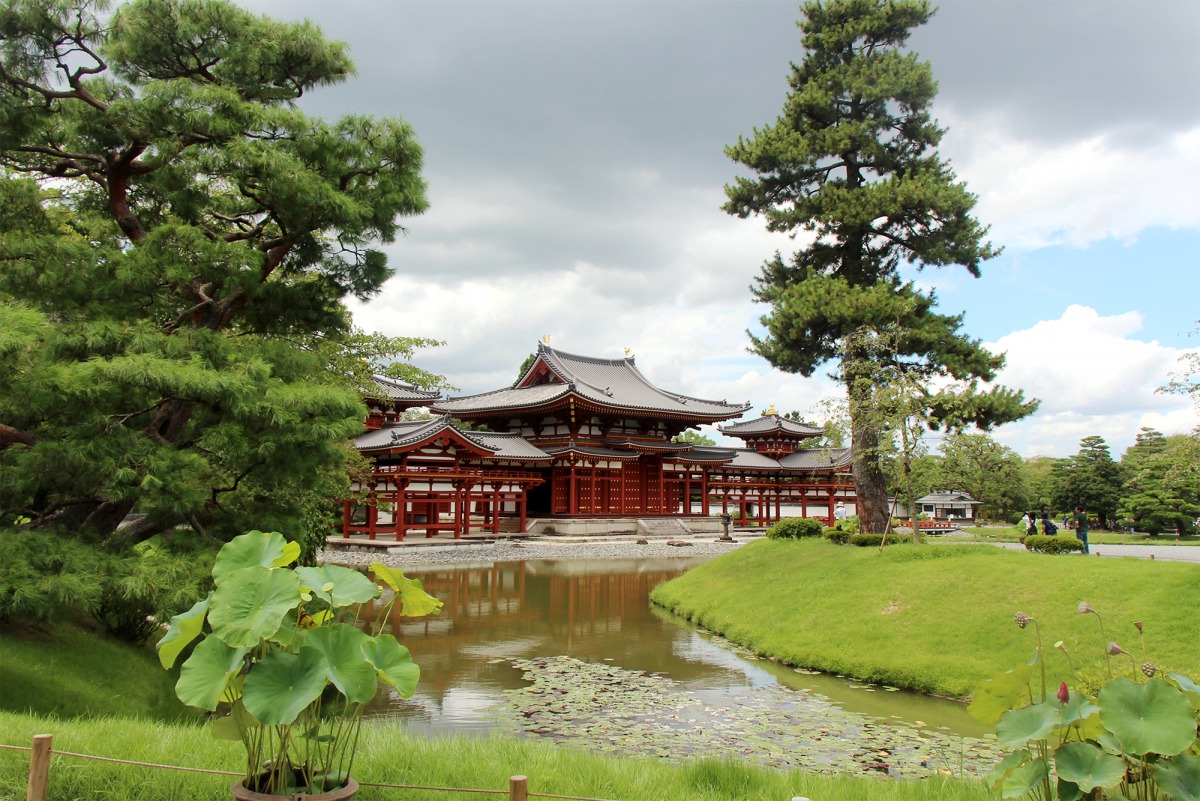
pixel 574 155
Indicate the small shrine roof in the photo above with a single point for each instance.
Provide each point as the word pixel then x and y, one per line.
pixel 394 389
pixel 770 424
pixel 948 497
pixel 615 383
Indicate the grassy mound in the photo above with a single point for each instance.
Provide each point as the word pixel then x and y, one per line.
pixel 937 618
pixel 69 670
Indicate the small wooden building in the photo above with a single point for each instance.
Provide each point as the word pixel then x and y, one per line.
pixel 582 437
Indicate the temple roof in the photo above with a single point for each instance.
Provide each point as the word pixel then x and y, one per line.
pixel 408 434
pixel 770 424
pixel 613 383
pixel 817 459
pixel 392 389
pixel 591 450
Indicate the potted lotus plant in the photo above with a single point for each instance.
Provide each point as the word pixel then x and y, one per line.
pixel 281 657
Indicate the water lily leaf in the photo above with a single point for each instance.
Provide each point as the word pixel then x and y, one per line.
pixel 252 549
pixel 185 627
pixel 337 585
pixel 1000 694
pixel 1179 777
pixel 207 671
pixel 1019 726
pixel 1154 717
pixel 1087 766
pixel 281 685
pixel 349 669
pixel 251 603
pixel 393 663
pixel 414 601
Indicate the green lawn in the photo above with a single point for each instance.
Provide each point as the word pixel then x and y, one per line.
pixel 934 618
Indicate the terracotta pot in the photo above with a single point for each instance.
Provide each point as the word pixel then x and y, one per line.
pixel 340 794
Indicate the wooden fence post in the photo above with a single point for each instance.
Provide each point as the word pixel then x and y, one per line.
pixel 39 768
pixel 518 788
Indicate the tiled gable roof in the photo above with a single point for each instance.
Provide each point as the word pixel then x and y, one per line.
pixel 769 424
pixel 615 383
pixel 393 389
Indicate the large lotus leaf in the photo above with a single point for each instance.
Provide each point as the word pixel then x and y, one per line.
pixel 339 586
pixel 185 627
pixel 349 669
pixel 1068 791
pixel 1005 766
pixel 1179 777
pixel 1024 779
pixel 255 548
pixel 235 725
pixel 1078 708
pixel 281 685
pixel 207 671
pixel 1019 726
pixel 1000 694
pixel 414 601
pixel 1189 687
pixel 250 605
pixel 1147 718
pixel 394 664
pixel 1087 766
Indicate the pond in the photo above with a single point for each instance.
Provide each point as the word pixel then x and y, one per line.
pixel 573 651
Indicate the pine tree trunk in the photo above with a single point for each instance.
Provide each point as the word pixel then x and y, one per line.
pixel 870 486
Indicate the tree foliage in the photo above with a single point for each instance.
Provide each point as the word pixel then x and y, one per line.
pixel 1091 479
pixel 852 161
pixel 992 473
pixel 1161 490
pixel 176 240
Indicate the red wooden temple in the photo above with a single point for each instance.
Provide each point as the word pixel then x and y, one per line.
pixel 580 438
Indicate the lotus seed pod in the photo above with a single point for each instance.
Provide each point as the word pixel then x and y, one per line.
pixel 1022 619
pixel 1149 668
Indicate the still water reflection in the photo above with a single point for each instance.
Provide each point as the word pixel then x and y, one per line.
pixel 595 611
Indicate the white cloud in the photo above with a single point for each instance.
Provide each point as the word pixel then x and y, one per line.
pixel 1093 376
pixel 1077 192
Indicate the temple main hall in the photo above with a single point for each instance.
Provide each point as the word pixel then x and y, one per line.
pixel 581 440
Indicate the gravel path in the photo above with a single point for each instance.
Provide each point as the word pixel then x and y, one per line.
pixel 529 549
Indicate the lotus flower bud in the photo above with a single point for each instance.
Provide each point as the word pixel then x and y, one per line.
pixel 1114 649
pixel 1138 623
pixel 1149 668
pixel 1022 619
pixel 1085 607
pixel 1064 694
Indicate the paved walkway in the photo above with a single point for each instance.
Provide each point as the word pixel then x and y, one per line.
pixel 1166 553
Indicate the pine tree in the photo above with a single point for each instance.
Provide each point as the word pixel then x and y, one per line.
pixel 177 239
pixel 852 161
pixel 1091 480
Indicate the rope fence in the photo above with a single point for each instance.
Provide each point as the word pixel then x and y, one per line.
pixel 41 751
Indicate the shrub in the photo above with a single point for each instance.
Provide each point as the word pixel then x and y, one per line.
pixel 795 528
pixel 874 540
pixel 1040 543
pixel 837 536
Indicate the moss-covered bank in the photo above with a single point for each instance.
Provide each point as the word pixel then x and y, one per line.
pixel 937 618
